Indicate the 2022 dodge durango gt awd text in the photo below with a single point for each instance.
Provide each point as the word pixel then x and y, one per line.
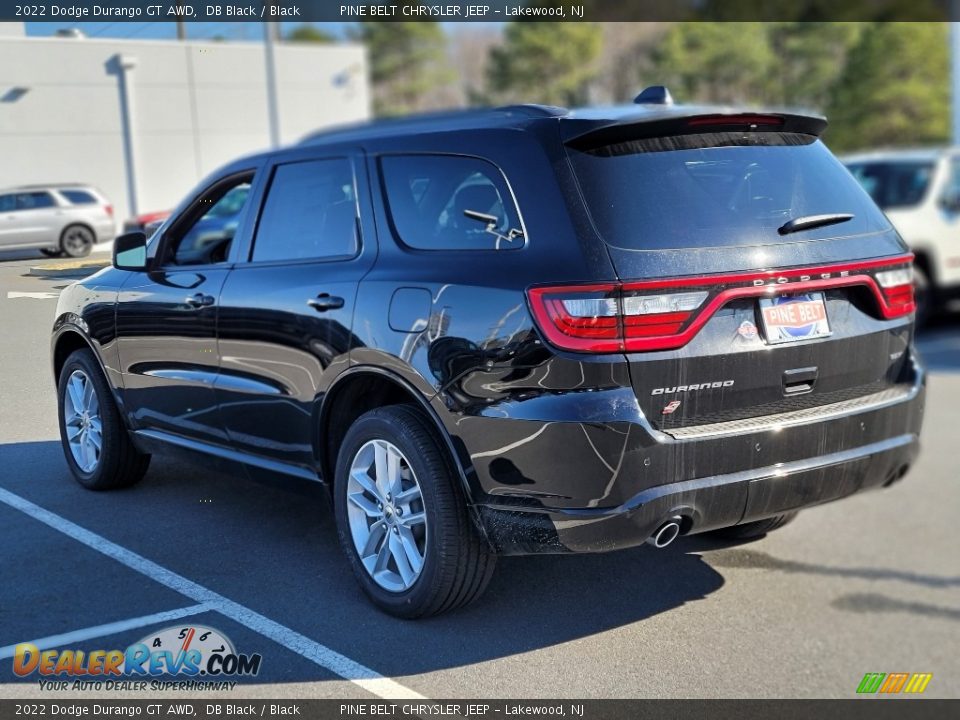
pixel 519 330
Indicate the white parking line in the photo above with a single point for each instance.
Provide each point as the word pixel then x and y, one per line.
pixel 53 641
pixel 13 295
pixel 362 676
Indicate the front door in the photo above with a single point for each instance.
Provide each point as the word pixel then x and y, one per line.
pixel 166 317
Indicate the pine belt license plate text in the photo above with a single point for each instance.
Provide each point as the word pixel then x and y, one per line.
pixel 788 318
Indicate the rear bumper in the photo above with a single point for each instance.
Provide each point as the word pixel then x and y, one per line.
pixel 716 480
pixel 704 504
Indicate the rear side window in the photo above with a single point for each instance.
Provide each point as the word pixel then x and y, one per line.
pixel 34 200
pixel 894 184
pixel 310 212
pixel 718 189
pixel 8 203
pixel 79 197
pixel 450 202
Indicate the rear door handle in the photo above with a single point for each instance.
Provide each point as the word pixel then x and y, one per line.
pixel 199 300
pixel 325 301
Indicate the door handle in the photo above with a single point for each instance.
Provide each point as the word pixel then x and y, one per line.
pixel 325 301
pixel 199 300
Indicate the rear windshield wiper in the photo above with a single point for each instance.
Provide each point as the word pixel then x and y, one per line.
pixel 808 222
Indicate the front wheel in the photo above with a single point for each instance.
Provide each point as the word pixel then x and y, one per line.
pixel 95 441
pixel 402 519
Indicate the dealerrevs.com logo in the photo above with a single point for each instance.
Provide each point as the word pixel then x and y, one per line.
pixel 202 655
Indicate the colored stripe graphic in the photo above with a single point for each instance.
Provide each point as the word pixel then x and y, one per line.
pixel 894 682
pixel 871 683
pixel 918 682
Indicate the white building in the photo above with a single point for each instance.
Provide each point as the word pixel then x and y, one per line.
pixel 88 110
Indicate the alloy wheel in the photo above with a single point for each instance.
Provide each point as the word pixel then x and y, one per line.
pixel 385 512
pixel 81 414
pixel 77 241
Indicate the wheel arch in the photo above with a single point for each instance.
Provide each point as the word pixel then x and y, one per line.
pixel 365 388
pixel 67 340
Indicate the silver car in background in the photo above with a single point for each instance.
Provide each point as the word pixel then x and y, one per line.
pixel 61 219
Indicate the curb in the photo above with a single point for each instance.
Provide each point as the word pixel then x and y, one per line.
pixel 72 269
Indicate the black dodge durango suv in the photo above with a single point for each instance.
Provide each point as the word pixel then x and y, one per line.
pixel 518 330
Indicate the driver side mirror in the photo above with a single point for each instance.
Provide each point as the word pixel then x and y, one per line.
pixel 130 251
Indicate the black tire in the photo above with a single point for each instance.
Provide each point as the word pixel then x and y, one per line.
pixel 756 529
pixel 925 296
pixel 119 464
pixel 77 241
pixel 51 253
pixel 457 564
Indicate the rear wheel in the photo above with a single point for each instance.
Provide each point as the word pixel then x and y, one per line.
pixel 402 519
pixel 756 529
pixel 95 441
pixel 77 241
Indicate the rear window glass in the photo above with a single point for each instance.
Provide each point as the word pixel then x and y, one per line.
pixel 718 189
pixel 894 184
pixel 79 197
pixel 450 202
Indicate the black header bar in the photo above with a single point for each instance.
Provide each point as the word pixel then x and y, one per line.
pixel 72 11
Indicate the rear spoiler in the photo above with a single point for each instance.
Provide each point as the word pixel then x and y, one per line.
pixel 586 134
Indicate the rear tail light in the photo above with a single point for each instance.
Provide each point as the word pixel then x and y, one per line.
pixel 897 286
pixel 109 209
pixel 612 317
pixel 666 314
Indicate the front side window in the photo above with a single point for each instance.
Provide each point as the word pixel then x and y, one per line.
pixel 8 203
pixel 310 213
pixel 34 200
pixel 450 202
pixel 204 234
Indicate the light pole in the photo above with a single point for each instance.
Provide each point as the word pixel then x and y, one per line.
pixel 269 31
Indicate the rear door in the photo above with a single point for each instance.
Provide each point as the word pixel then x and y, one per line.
pixel 286 310
pixel 757 276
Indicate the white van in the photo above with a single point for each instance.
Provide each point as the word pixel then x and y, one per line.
pixel 919 190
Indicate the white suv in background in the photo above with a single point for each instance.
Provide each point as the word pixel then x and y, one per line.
pixel 919 190
pixel 55 219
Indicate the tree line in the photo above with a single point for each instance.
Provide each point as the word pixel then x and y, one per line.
pixel 879 83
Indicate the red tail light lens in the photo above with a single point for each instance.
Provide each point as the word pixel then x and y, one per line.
pixel 109 209
pixel 610 318
pixel 897 286
pixel 667 314
pixel 584 317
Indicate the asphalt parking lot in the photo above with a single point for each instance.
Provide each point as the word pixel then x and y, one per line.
pixel 867 585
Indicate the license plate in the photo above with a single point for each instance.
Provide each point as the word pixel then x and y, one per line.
pixel 789 318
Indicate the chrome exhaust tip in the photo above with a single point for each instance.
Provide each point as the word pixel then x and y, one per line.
pixel 665 534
